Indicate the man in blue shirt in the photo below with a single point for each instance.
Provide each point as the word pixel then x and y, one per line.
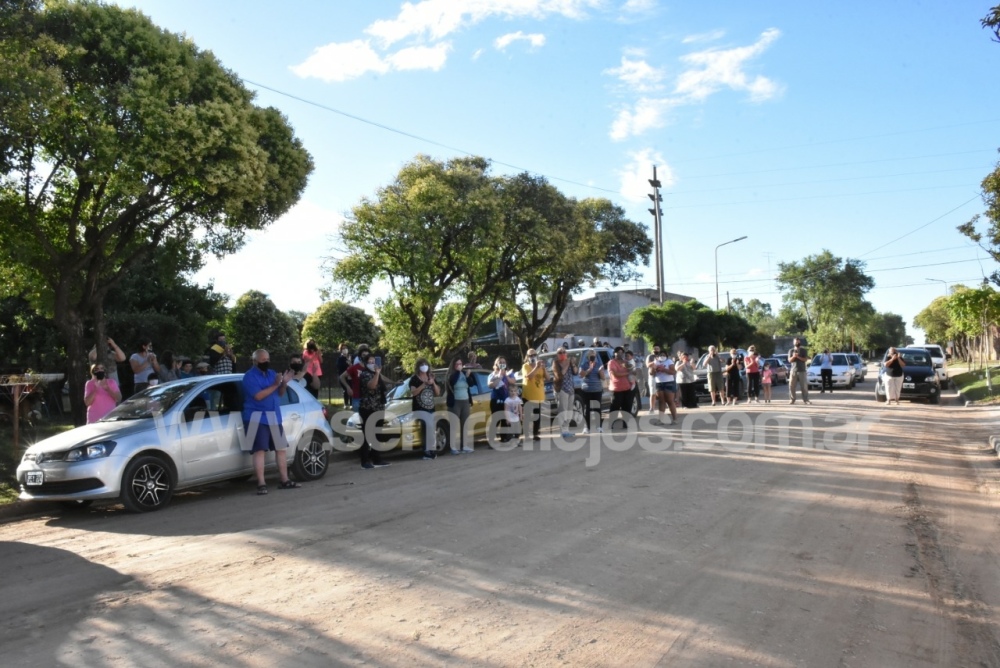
pixel 262 392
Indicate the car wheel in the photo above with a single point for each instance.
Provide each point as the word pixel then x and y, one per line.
pixel 879 395
pixel 636 405
pixel 312 460
pixel 442 436
pixel 147 484
pixel 577 410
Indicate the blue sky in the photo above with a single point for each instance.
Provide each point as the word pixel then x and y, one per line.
pixel 861 127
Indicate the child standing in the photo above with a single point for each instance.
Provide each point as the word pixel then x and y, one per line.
pixel 765 382
pixel 513 410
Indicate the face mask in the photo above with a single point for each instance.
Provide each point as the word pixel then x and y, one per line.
pixel 458 368
pixel 99 375
pixel 662 358
pixel 592 358
pixel 371 366
pixel 296 367
pixel 424 368
pixel 503 366
pixel 264 366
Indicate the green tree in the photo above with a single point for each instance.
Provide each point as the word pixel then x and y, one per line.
pixel 935 320
pixel 887 329
pixel 734 331
pixel 826 288
pixel 335 322
pixel 660 324
pixel 119 140
pixel 255 322
pixel 992 21
pixel 974 313
pixel 704 331
pixel 758 314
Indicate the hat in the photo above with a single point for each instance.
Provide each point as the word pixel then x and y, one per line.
pixel 201 365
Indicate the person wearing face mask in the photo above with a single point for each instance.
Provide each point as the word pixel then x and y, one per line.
pixel 423 389
pixel 534 374
pixel 666 387
pixel 100 394
pixel 144 365
pixel 686 381
pixel 372 406
pixel 312 358
pixel 219 354
pixel 563 372
pixel 621 386
pixel 592 372
pixel 497 383
pixel 300 376
pixel 262 392
pixel 460 403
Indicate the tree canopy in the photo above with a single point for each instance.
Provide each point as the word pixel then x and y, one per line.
pixel 459 246
pixel 255 322
pixel 119 140
pixel 335 322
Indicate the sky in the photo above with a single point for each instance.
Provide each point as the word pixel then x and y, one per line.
pixel 864 128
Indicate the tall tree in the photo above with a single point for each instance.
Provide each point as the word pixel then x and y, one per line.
pixel 119 140
pixel 255 322
pixel 992 21
pixel 758 314
pixel 935 320
pixel 660 324
pixel 828 289
pixel 335 322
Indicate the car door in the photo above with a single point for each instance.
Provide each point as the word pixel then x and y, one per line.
pixel 210 433
pixel 479 394
pixel 292 413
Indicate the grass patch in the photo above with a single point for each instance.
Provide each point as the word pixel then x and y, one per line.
pixel 11 457
pixel 972 385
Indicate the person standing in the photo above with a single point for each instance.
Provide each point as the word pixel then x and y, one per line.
pixel 144 365
pixel 752 365
pixel 686 381
pixel 100 394
pixel 713 364
pixel 592 372
pixel 299 374
pixel 115 355
pixel 733 379
pixel 170 369
pixel 372 404
pixel 563 373
pixel 312 357
pixel 666 387
pixel 460 403
pixel 826 371
pixel 894 365
pixel 220 355
pixel 513 409
pixel 621 387
pixel 343 362
pixel 423 389
pixel 262 392
pixel 498 382
pixel 798 356
pixel 650 365
pixel 766 378
pixel 534 374
pixel 473 362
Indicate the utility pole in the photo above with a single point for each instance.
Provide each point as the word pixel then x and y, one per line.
pixel 657 233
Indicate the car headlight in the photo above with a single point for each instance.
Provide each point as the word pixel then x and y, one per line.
pixel 405 418
pixel 79 453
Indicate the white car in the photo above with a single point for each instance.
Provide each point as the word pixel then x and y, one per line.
pixel 843 372
pixel 169 437
pixel 940 361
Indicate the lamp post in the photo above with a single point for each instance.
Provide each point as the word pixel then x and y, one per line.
pixel 938 280
pixel 717 268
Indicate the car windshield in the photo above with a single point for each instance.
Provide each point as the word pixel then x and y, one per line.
pixel 916 358
pixel 150 402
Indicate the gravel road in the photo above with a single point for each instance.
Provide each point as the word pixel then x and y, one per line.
pixel 876 546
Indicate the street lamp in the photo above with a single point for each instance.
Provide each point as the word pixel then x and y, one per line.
pixel 938 280
pixel 717 268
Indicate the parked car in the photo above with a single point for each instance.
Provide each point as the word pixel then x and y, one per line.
pixel 843 372
pixel 920 380
pixel 169 437
pixel 575 355
pixel 860 368
pixel 940 361
pixel 779 372
pixel 701 372
pixel 400 427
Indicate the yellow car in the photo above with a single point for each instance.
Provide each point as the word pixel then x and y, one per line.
pixel 401 429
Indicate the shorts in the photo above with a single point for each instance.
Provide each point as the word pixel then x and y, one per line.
pixel 715 381
pixel 263 439
pixel 667 386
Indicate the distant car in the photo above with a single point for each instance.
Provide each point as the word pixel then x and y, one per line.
pixel 843 372
pixel 779 372
pixel 399 426
pixel 860 368
pixel 169 437
pixel 939 359
pixel 701 372
pixel 919 378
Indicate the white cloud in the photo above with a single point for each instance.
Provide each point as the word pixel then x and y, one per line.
pixel 638 6
pixel 707 72
pixel 340 62
pixel 636 174
pixel 284 261
pixel 536 40
pixel 420 57
pixel 715 69
pixel 638 75
pixel 436 19
pixel 711 36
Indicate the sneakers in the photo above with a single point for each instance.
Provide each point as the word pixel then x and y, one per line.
pixel 367 465
pixel 467 451
pixel 586 430
pixel 380 464
pixel 429 454
pixel 455 452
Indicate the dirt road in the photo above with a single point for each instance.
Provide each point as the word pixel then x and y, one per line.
pixel 706 552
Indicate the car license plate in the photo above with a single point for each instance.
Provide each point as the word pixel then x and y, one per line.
pixel 908 386
pixel 34 478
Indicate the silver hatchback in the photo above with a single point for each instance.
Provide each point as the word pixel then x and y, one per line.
pixel 166 438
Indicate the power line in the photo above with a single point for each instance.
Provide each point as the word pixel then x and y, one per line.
pixel 973 198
